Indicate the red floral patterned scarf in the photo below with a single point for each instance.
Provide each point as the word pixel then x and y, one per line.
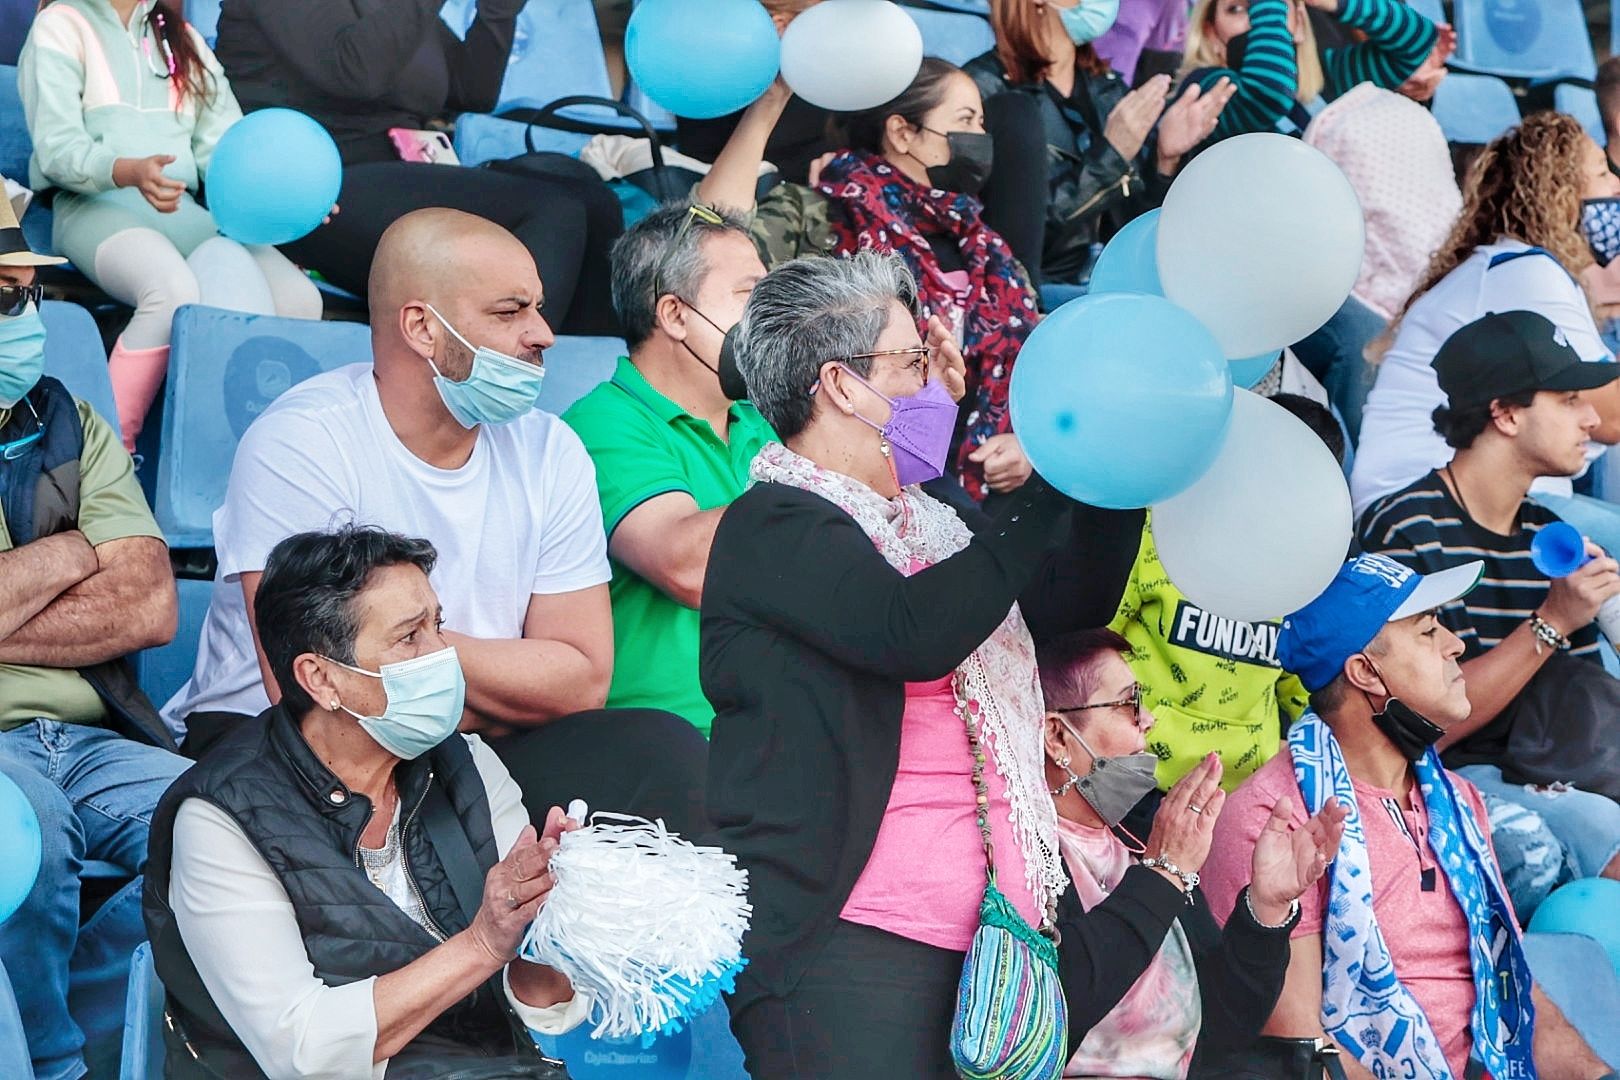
pixel 881 209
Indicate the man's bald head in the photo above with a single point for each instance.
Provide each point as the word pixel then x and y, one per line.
pixel 438 253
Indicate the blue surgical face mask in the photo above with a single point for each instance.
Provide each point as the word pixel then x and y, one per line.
pixel 498 390
pixel 1089 20
pixel 425 698
pixel 22 355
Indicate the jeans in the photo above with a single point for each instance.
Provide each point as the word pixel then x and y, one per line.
pixel 94 792
pixel 1587 824
pixel 1334 355
pixel 1532 860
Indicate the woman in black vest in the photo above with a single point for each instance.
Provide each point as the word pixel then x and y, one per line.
pixel 345 881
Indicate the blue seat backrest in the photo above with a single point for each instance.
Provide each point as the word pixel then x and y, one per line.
pixel 953 35
pixel 165 669
pixel 972 7
pixel 143 1054
pixel 574 366
pixel 74 354
pixel 225 367
pixel 1530 39
pixel 204 15
pixel 1433 10
pixel 1474 108
pixel 1582 104
pixel 1572 970
pixel 15 144
pixel 16 16
pixel 557 53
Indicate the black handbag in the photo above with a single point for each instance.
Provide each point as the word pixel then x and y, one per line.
pixel 1269 1057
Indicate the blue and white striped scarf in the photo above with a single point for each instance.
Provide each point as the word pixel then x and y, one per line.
pixel 1364 1006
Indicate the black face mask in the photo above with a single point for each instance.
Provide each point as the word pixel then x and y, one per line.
pixel 1410 731
pixel 972 157
pixel 731 380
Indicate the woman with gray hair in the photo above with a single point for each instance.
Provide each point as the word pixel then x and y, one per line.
pixel 874 683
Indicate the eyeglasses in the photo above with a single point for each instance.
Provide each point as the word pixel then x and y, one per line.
pixel 14 299
pixel 921 357
pixel 16 448
pixel 1134 703
pixel 695 212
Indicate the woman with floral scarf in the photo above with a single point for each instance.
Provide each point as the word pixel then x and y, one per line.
pixel 908 183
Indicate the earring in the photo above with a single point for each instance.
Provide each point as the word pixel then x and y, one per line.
pixel 333 707
pixel 1063 762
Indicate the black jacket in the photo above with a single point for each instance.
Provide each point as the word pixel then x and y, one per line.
pixel 808 637
pixel 1091 190
pixel 306 824
pixel 361 67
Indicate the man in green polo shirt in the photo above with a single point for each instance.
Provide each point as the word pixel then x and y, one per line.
pixel 671 449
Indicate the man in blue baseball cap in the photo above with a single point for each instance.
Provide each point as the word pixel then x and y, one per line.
pixel 1406 958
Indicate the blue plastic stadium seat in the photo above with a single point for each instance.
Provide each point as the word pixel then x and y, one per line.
pixel 1474 108
pixel 224 368
pixel 1571 969
pixel 952 35
pixel 573 368
pixel 75 355
pixel 1524 39
pixel 556 53
pixel 143 1020
pixel 1432 10
pixel 165 669
pixel 972 7
pixel 204 15
pixel 16 16
pixel 1581 103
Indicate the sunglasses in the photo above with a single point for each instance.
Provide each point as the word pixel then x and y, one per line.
pixel 14 299
pixel 695 212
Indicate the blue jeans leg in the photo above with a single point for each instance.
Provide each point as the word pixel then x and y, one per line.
pixel 1334 354
pixel 94 793
pixel 1588 824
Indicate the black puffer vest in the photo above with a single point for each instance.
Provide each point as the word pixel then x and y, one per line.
pixel 306 824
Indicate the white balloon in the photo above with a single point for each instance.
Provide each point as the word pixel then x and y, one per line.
pixel 1262 533
pixel 1261 237
pixel 847 55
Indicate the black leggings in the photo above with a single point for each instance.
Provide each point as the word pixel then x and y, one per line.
pixel 629 761
pixel 872 1005
pixel 558 207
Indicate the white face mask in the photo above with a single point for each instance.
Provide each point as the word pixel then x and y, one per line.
pixel 498 389
pixel 426 695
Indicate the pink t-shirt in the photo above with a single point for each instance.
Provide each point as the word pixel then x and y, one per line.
pixel 1426 931
pixel 925 877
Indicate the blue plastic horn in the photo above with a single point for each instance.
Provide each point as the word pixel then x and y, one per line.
pixel 1559 550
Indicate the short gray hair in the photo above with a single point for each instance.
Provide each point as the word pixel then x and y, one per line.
pixel 647 259
pixel 809 311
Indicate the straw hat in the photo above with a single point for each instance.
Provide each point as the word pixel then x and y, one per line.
pixel 14 249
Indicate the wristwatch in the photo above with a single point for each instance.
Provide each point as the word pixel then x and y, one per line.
pixel 1188 878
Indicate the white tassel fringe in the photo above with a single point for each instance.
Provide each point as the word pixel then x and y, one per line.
pixel 645 922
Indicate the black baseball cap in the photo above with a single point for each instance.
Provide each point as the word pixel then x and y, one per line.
pixel 1509 352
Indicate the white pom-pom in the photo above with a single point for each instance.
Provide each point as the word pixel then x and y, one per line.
pixel 649 925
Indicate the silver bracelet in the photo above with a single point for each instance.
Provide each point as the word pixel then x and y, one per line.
pixel 1188 878
pixel 1546 633
pixel 1248 902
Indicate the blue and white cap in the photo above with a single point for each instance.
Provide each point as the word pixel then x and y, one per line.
pixel 1368 591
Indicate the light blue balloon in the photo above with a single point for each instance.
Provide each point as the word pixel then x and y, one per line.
pixel 1120 400
pixel 274 176
pixel 1587 906
pixel 702 58
pixel 19 847
pixel 1246 373
pixel 1130 262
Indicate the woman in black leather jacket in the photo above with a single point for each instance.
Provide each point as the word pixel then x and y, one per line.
pixel 1110 151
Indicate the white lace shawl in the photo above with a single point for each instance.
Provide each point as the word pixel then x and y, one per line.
pixel 998 682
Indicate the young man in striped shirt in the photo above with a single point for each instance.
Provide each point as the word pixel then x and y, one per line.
pixel 1514 412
